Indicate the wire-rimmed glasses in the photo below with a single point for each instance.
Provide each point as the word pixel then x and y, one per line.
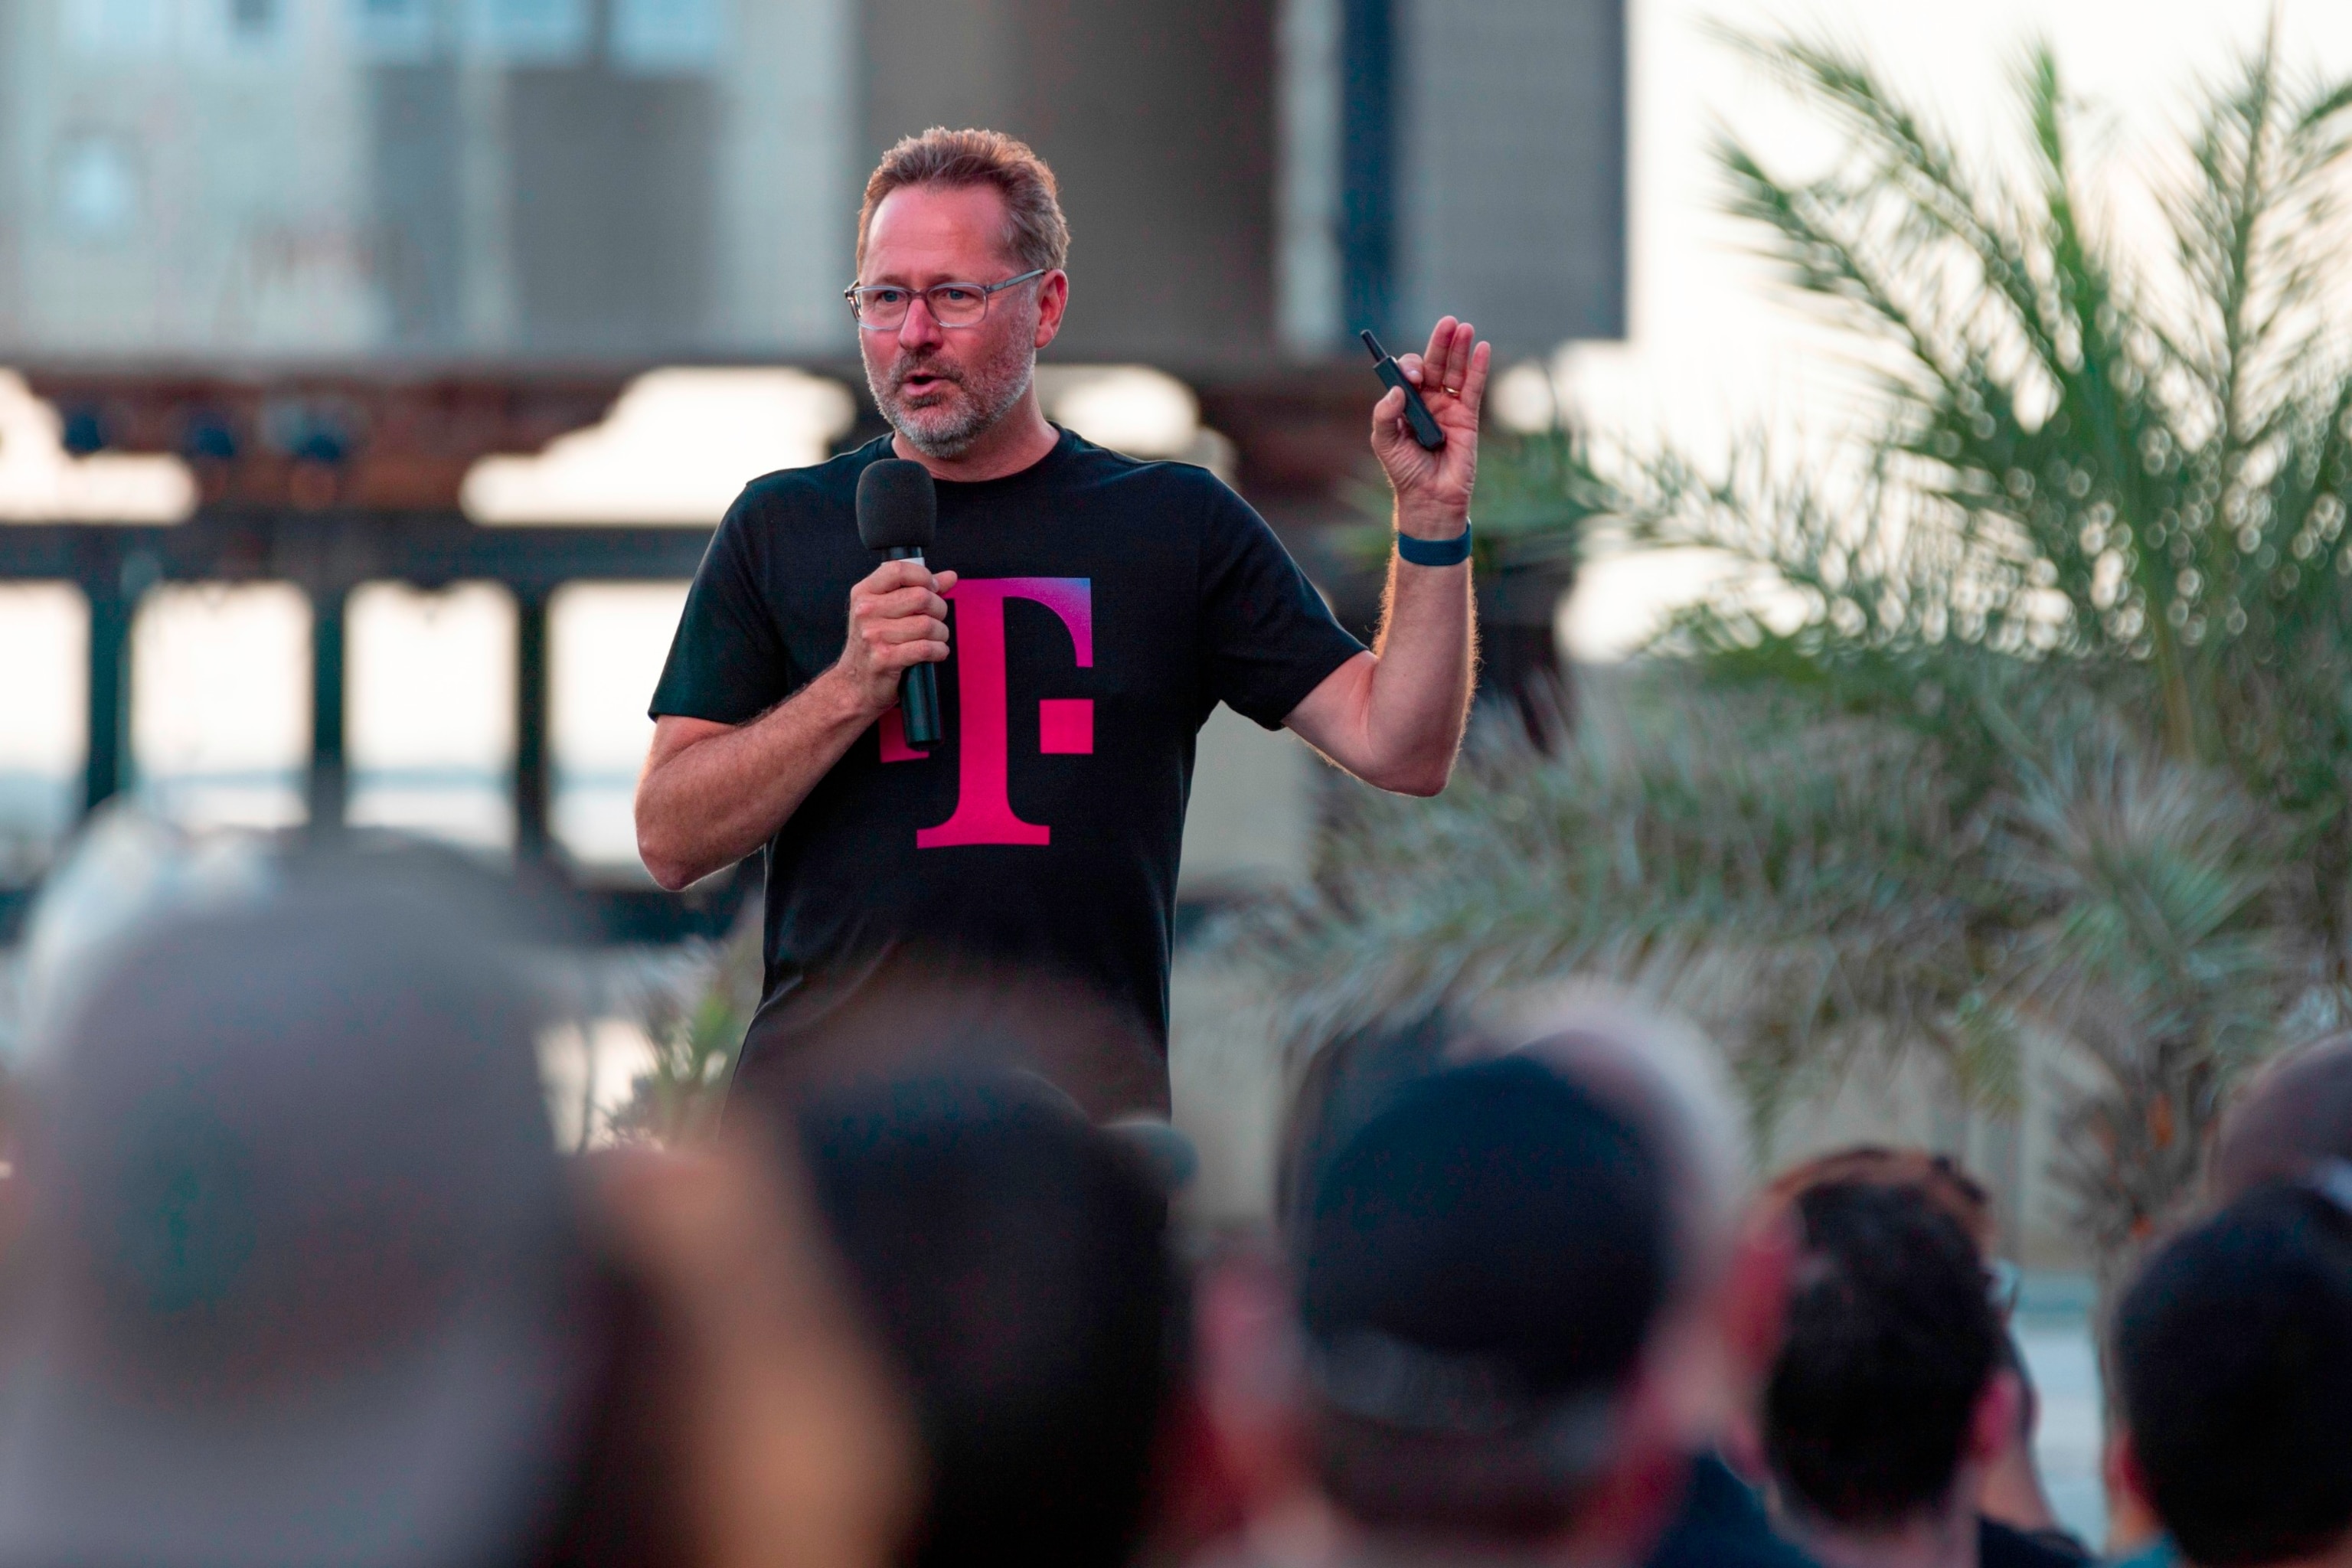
pixel 883 307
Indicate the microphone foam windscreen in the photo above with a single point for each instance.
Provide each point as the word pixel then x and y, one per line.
pixel 897 507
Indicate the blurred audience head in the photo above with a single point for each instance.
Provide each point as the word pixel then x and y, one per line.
pixel 2233 1352
pixel 1482 1265
pixel 1660 1075
pixel 1649 1069
pixel 2295 1115
pixel 1722 1323
pixel 2013 1492
pixel 303 1281
pixel 1936 1177
pixel 1517 1292
pixel 1345 1084
pixel 1888 1401
pixel 1013 1260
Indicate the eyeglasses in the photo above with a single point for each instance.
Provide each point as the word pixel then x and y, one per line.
pixel 883 308
pixel 2002 1285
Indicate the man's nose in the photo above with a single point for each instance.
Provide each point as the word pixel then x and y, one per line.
pixel 921 329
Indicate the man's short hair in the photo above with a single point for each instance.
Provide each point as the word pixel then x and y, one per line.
pixel 1036 234
pixel 1892 1337
pixel 1013 1260
pixel 1481 1264
pixel 1936 1176
pixel 2233 1349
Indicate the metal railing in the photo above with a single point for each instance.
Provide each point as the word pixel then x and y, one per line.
pixel 327 555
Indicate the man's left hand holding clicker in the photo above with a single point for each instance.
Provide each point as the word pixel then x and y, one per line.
pixel 1394 716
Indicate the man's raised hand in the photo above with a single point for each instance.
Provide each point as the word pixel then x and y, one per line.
pixel 1433 489
pixel 897 619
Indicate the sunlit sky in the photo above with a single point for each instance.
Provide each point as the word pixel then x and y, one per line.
pixel 1714 350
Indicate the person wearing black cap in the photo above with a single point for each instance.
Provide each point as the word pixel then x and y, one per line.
pixel 1483 1268
pixel 2232 1350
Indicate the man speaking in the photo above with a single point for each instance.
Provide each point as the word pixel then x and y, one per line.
pixel 1102 607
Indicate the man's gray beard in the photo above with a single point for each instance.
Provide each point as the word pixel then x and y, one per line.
pixel 951 441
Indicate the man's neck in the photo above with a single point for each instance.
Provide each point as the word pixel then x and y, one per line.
pixel 1944 1538
pixel 1309 1532
pixel 1019 440
pixel 2339 1555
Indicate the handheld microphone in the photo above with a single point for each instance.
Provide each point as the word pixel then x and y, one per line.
pixel 898 513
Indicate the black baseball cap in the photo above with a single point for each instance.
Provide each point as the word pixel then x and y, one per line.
pixel 304 1279
pixel 2234 1357
pixel 1480 1265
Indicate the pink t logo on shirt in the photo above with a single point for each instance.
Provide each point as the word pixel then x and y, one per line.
pixel 1066 725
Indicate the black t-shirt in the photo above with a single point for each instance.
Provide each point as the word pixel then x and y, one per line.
pixel 1104 607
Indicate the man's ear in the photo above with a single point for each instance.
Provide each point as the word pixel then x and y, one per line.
pixel 1751 1318
pixel 1246 1350
pixel 1052 300
pixel 2132 1520
pixel 2120 1468
pixel 1756 1294
pixel 1992 1426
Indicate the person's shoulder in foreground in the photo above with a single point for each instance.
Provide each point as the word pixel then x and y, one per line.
pixel 1722 1523
pixel 2002 1545
pixel 2233 1358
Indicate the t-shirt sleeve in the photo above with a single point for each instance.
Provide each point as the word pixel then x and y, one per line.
pixel 727 663
pixel 1267 637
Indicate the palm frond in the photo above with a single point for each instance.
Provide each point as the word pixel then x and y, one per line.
pixel 2033 719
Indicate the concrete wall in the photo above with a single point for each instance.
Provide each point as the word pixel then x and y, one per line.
pixel 662 180
pixel 341 179
pixel 1511 174
pixel 1481 157
pixel 1158 117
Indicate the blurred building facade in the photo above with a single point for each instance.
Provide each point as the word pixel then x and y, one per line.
pixel 664 180
pixel 331 254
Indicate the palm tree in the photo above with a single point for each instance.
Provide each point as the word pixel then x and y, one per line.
pixel 2134 471
pixel 2035 720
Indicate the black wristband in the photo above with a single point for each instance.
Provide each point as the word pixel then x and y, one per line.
pixel 1435 552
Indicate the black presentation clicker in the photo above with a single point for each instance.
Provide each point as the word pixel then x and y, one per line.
pixel 1416 411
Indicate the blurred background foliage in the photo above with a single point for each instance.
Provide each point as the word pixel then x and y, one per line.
pixel 1538 491
pixel 695 1035
pixel 2034 721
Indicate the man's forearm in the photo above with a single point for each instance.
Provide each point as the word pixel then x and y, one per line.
pixel 1419 696
pixel 715 801
pixel 1394 718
